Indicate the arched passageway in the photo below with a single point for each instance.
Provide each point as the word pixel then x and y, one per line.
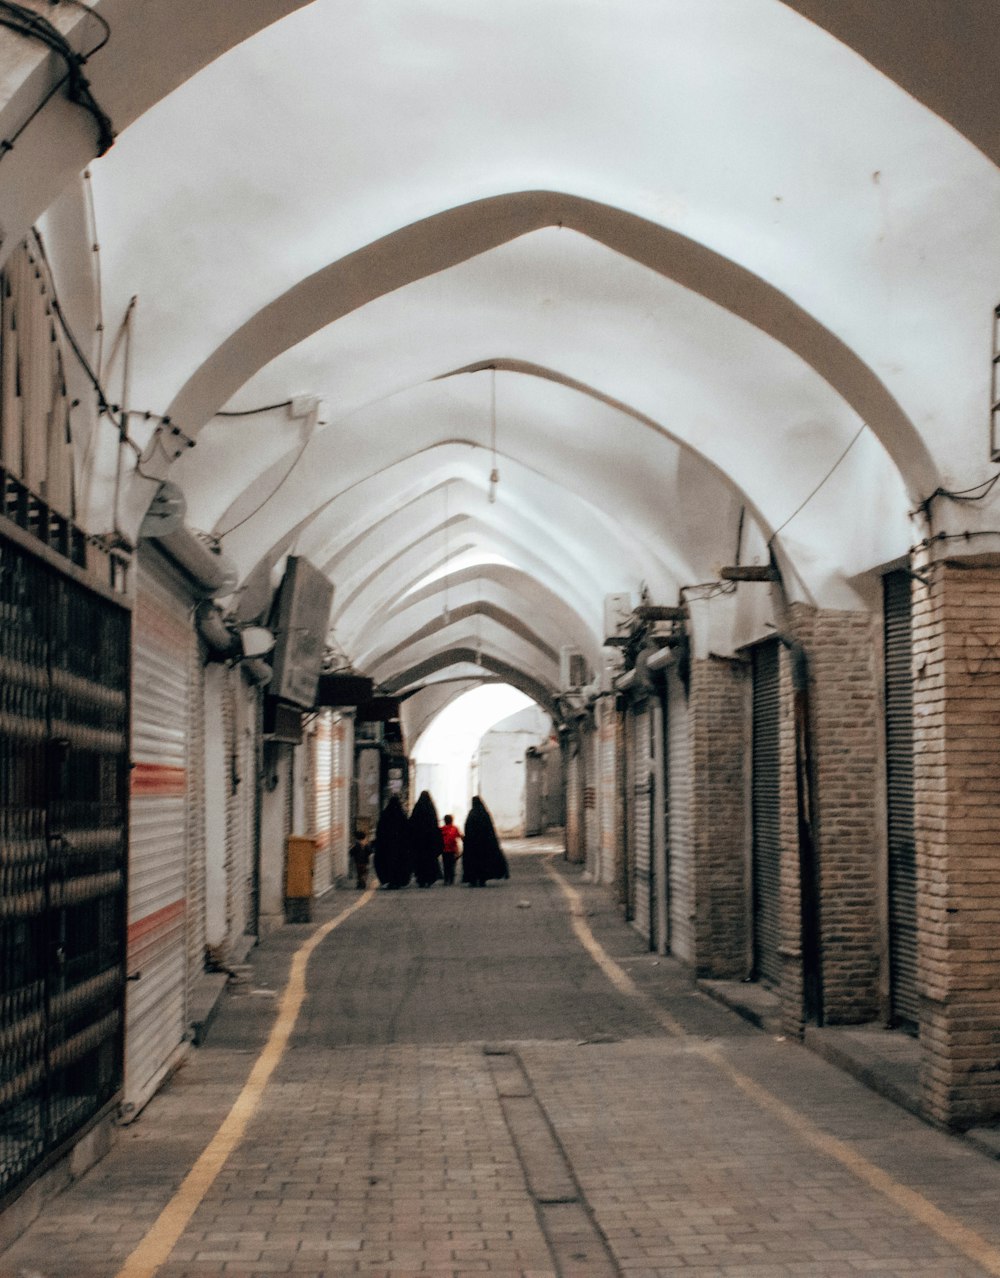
pixel 637 359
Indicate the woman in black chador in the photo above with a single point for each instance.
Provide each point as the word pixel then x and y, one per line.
pixel 426 841
pixel 482 858
pixel 393 858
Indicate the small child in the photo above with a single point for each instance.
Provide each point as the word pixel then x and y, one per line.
pixel 451 837
pixel 361 854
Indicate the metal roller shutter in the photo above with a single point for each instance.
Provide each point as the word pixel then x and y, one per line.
pixel 574 798
pixel 641 819
pixel 341 769
pixel 163 659
pixel 905 1001
pixel 591 823
pixel 680 834
pixel 608 789
pixel 766 795
pixel 320 745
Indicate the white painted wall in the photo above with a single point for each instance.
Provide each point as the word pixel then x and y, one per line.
pixel 499 766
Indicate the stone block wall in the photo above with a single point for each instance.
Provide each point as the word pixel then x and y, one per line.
pixel 956 627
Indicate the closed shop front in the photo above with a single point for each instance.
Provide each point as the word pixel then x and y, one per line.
pixel 574 796
pixel 591 822
pixel 904 1001
pixel 64 662
pixel 680 839
pixel 341 775
pixel 320 777
pixel 608 805
pixel 165 656
pixel 640 819
pixel 766 801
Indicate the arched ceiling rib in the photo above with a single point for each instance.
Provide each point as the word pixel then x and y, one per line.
pixel 458 656
pixel 946 56
pixel 478 610
pixel 436 243
pixel 617 208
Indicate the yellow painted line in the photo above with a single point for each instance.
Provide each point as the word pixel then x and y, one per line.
pixel 159 1242
pixel 947 1227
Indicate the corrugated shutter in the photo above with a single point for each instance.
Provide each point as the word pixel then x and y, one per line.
pixel 641 819
pixel 679 831
pixel 899 780
pixel 591 824
pixel 574 798
pixel 766 791
pixel 608 789
pixel 163 644
pixel 320 772
pixel 236 823
pixel 197 854
pixel 341 775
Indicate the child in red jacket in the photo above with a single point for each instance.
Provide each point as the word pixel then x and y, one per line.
pixel 452 837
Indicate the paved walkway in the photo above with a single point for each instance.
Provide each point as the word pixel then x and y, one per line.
pixel 503 1082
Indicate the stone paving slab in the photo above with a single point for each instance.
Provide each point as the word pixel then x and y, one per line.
pixel 382 1146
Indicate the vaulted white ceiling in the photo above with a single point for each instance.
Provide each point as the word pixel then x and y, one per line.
pixel 699 253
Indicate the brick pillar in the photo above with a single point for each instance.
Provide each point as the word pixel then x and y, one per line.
pixel 719 720
pixel 845 709
pixel 847 815
pixel 956 622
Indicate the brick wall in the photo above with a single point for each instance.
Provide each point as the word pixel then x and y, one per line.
pixel 845 708
pixel 956 622
pixel 718 722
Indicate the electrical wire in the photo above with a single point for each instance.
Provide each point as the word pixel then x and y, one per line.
pixel 25 22
pixel 257 509
pixel 252 412
pixel 981 490
pixel 802 505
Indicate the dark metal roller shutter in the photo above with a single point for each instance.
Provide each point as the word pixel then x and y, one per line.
pixel 766 814
pixel 641 814
pixel 574 800
pixel 899 781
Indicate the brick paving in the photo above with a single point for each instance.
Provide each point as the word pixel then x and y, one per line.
pixel 466 1094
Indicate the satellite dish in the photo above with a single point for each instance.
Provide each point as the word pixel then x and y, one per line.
pixel 166 511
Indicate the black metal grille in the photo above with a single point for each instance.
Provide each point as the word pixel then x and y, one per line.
pixel 64 655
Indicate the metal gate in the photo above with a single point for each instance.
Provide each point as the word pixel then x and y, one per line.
pixel 766 794
pixel 905 1003
pixel 64 654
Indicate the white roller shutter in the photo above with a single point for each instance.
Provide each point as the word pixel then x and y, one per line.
pixel 341 775
pixel 320 775
pixel 164 652
pixel 680 841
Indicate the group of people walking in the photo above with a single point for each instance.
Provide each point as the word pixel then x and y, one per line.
pixel 418 847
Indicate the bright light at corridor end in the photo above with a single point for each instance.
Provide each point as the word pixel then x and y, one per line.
pixel 444 750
